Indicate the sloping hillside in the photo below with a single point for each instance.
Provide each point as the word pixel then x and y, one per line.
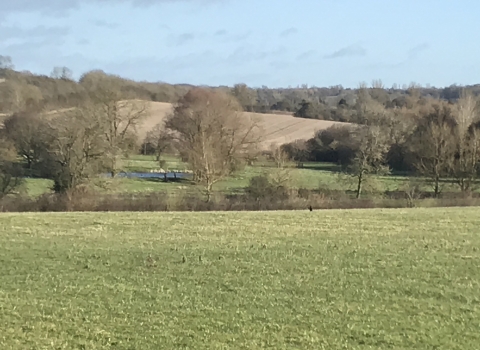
pixel 277 128
pixel 280 129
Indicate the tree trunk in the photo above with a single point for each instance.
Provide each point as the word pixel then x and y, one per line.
pixel 209 191
pixel 463 185
pixel 113 169
pixel 436 187
pixel 359 185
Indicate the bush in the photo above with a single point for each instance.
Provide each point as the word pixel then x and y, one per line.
pixel 10 178
pixel 260 188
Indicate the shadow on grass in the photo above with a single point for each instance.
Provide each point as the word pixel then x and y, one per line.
pixel 333 168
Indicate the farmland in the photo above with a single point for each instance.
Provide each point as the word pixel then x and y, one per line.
pixel 361 279
pixel 276 128
pixel 327 163
pixel 239 175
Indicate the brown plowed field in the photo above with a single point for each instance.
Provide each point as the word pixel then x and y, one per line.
pixel 277 128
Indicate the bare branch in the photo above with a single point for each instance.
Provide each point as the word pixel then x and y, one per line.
pixel 212 135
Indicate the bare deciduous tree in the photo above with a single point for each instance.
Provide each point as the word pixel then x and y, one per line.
pixel 245 96
pixel 24 130
pixel 432 145
pixel 6 62
pixel 62 73
pixel 412 190
pixel 372 146
pixel 282 174
pixel 213 136
pixel 74 149
pixel 372 140
pixel 17 96
pixel 368 110
pixel 121 120
pixel 10 172
pixel 465 165
pixel 159 141
pixel 117 118
pixel 279 156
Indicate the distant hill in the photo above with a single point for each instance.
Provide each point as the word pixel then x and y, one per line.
pixel 25 90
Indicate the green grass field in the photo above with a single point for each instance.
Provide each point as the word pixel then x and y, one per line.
pixel 361 279
pixel 313 176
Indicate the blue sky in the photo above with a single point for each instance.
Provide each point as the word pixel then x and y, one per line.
pixel 277 43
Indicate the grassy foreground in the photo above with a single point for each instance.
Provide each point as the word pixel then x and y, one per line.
pixel 364 279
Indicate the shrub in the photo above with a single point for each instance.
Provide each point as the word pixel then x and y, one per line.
pixel 261 188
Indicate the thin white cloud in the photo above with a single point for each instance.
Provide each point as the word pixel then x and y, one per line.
pixel 60 6
pixel 83 41
pixel 104 24
pixel 348 51
pixel 412 54
pixel 224 36
pixel 221 32
pixel 245 54
pixel 288 32
pixel 14 32
pixel 415 51
pixel 179 40
pixel 305 55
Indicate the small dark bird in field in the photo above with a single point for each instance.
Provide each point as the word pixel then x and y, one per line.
pixel 310 208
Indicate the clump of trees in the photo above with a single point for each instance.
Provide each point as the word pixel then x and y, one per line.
pixel 435 140
pixel 25 91
pixel 10 171
pixel 73 145
pixel 211 135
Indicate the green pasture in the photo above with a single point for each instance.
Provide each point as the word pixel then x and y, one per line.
pixel 360 279
pixel 312 176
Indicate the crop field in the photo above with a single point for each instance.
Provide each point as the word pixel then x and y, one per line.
pixel 277 128
pixel 360 279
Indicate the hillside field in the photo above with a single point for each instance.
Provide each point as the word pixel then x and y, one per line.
pixel 360 279
pixel 276 128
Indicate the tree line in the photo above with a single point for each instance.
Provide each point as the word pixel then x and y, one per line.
pixel 433 139
pixel 74 146
pixel 21 91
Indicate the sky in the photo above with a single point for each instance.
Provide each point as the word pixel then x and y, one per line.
pixel 274 43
